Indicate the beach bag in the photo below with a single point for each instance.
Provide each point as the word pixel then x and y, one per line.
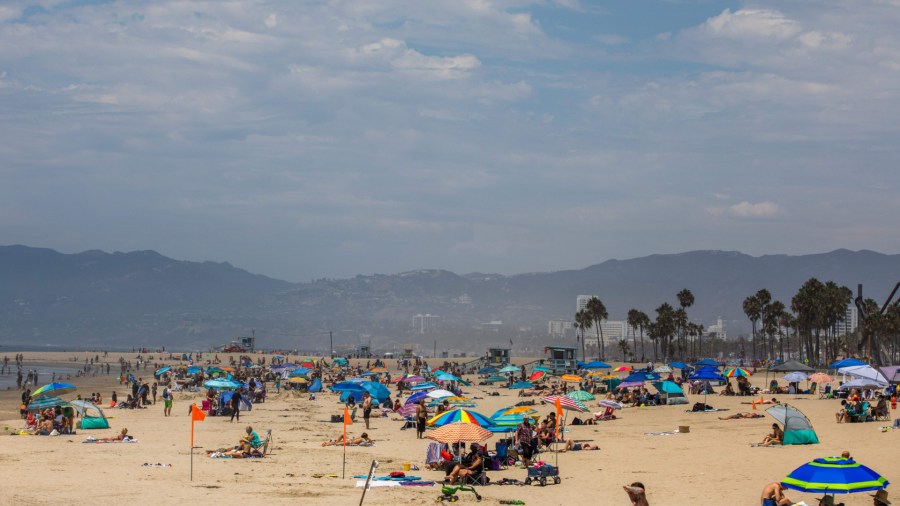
pixel 699 406
pixel 337 418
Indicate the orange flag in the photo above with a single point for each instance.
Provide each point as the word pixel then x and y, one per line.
pixel 559 415
pixel 197 415
pixel 347 421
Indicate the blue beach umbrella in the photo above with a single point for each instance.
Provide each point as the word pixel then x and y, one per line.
pixel 298 372
pixel 44 403
pixel 162 370
pixel 519 385
pixel 596 364
pixel 679 365
pixel 834 475
pixel 424 386
pixel 416 397
pixel 194 369
pixel 223 384
pixel 509 368
pixel 53 390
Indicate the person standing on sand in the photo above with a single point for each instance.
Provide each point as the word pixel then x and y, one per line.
pixel 421 418
pixel 236 406
pixel 153 390
pixel 167 401
pixel 367 408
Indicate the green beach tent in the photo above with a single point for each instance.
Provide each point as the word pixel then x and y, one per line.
pixel 92 417
pixel 797 429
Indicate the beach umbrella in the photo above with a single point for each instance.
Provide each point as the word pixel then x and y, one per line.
pixel 862 383
pixel 416 397
pixel 194 369
pixel 679 365
pixel 607 403
pixel 737 372
pixel 623 368
pixel 346 386
pixel 536 375
pixel 707 362
pixel 629 384
pixel 379 369
pixel 508 369
pixel 581 395
pixel 487 370
pixel 162 370
pixel 457 432
pixel 222 384
pixel 571 378
pixel 566 403
pixel 514 410
pixel 795 377
pixel 53 390
pixel 298 380
pixel 460 415
pixel 298 372
pixel 791 366
pixel 438 394
pixel 820 377
pixel 541 368
pixel 834 475
pixel 424 386
pixel 519 385
pixel 705 374
pixel 407 410
pixel 596 364
pixel 44 403
pixel 447 377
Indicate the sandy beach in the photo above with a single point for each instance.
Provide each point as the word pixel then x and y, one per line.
pixel 714 463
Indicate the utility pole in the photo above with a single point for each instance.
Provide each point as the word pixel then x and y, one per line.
pixel 330 344
pixel 434 354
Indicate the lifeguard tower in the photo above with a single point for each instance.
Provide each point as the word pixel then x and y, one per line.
pixel 498 357
pixel 560 359
pixel 363 351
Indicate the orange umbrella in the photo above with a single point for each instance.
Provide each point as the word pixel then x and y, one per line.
pixel 571 378
pixel 459 431
pixel 624 368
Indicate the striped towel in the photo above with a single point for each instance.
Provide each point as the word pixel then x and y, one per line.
pixel 433 454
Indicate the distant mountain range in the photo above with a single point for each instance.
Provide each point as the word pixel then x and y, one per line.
pixel 143 298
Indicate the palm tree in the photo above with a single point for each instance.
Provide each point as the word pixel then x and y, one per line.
pixel 664 327
pixel 582 323
pixel 685 300
pixel 752 309
pixel 634 321
pixel 598 313
pixel 764 298
pixel 643 323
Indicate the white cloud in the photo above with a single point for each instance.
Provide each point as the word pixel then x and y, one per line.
pixel 758 210
pixel 751 23
pixel 271 20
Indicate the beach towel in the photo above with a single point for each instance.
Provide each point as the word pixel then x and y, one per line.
pixel 417 483
pixel 661 433
pixel 433 453
pixel 364 443
pixel 713 410
pixel 373 484
pixel 96 441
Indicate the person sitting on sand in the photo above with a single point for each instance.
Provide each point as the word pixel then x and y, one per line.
pixel 729 390
pixel 249 441
pixel 773 495
pixel 473 465
pixel 636 493
pixel 364 438
pixel 775 438
pixel 738 416
pixel 572 446
pixel 118 437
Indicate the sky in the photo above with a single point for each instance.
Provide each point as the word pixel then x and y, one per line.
pixel 329 138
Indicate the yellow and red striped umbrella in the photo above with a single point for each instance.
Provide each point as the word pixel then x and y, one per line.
pixel 459 431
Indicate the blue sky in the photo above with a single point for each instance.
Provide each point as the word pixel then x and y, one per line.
pixel 329 138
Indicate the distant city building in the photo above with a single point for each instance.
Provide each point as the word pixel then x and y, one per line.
pixel 613 330
pixel 581 301
pixel 557 328
pixel 425 323
pixel 850 323
pixel 463 299
pixel 717 330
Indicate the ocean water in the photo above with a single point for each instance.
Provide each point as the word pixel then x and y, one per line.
pixel 45 374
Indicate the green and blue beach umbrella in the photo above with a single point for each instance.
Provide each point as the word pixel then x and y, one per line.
pixel 53 390
pixel 834 475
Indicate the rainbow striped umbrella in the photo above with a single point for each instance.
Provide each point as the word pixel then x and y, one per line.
pixel 736 372
pixel 566 403
pixel 458 431
pixel 460 415
pixel 834 475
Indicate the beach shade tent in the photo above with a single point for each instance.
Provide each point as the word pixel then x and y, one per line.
pixel 298 372
pixel 509 369
pixel 45 402
pixel 672 393
pixel 797 429
pixel 315 387
pixel 487 370
pixel 460 415
pixel 737 372
pixel 92 417
pixel 194 369
pixel 162 370
pixel 222 384
pixel 795 377
pixel 424 386
pixel 580 395
pixel 662 369
pixel 519 385
pixel 53 390
pixel 864 371
pixel 225 400
pixel 791 366
pixel 437 394
pixel 679 365
pixel 566 403
pixel 834 475
pixel 706 362
pixel 847 362
pixel 891 373
pixel 596 364
pixel 537 375
pixel 862 383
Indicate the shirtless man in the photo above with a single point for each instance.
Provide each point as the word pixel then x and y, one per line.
pixel 773 495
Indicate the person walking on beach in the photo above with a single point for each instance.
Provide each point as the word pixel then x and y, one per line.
pixel 524 438
pixel 153 390
pixel 367 408
pixel 421 419
pixel 236 405
pixel 167 401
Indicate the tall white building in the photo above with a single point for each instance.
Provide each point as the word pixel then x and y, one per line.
pixel 425 323
pixel 850 323
pixel 558 328
pixel 613 330
pixel 581 301
pixel 717 330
